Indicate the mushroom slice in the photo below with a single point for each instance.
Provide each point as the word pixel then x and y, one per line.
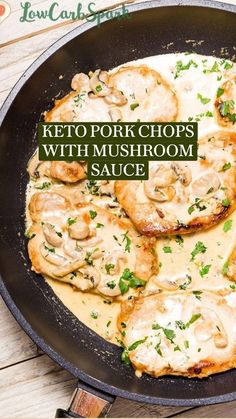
pixel 51 234
pixel 115 114
pixel 112 263
pixel 159 186
pixel 80 82
pixel 208 181
pixel 98 83
pixel 183 173
pixel 67 172
pixel 122 246
pixel 117 98
pixel 79 230
pixel 37 168
pixel 88 278
pixel 49 254
pixel 109 287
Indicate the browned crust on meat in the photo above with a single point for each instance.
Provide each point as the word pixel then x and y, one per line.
pixel 200 370
pixel 49 116
pixel 143 215
pixel 67 172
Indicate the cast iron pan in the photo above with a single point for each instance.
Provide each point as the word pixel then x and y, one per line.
pixel 153 28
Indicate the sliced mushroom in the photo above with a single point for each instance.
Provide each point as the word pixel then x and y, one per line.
pixel 71 249
pixel 52 236
pixel 165 283
pixel 116 97
pixel 109 286
pixel 79 230
pixel 211 326
pixel 80 82
pixel 115 114
pixel 114 262
pixel 209 181
pixel 204 331
pixel 37 168
pixel 89 278
pixel 97 83
pixel 159 194
pixel 50 255
pixel 90 242
pixel 183 173
pixel 69 267
pixel 220 339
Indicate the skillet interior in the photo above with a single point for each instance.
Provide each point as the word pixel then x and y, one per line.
pixel 38 310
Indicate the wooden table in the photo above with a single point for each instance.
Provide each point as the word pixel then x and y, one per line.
pixel 31 384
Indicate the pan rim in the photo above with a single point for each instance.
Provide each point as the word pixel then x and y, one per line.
pixel 3 290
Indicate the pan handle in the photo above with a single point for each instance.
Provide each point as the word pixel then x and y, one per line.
pixel 86 402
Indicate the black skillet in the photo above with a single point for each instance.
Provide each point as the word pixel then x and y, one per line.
pixel 155 27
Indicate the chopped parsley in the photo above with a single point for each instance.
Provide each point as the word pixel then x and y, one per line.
pixel 226 202
pixel 227 225
pixel 204 100
pixel 99 225
pixel 71 221
pixel 98 88
pixel 182 67
pixel 109 267
pixel 45 185
pixel 111 284
pixel 197 294
pixel 127 241
pixel 94 314
pixel 79 98
pixel 182 326
pixel 92 214
pixel 129 280
pixel 226 166
pixel 93 187
pixel 220 92
pixel 225 268
pixel 204 270
pixel 29 235
pixel 213 69
pixel 49 249
pixel 186 283
pixel 133 106
pixel 167 249
pixel 225 109
pixel 197 205
pixel 88 258
pixel 186 344
pixel 179 239
pixel 199 248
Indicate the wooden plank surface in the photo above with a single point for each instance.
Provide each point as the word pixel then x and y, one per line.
pixel 31 384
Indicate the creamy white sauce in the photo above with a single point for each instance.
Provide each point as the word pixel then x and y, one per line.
pixel 191 84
